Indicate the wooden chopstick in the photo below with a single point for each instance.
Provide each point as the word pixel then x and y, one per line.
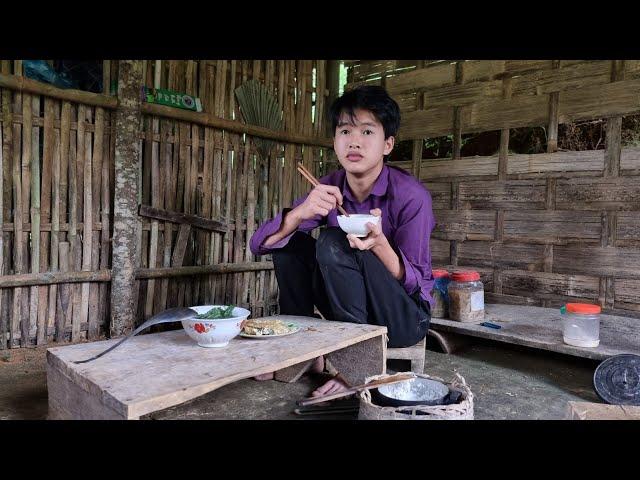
pixel 314 181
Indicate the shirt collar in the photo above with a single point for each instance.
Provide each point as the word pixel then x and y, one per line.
pixel 379 186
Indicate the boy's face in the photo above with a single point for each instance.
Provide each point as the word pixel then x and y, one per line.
pixel 360 146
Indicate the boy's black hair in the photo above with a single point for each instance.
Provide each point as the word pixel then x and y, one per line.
pixel 372 98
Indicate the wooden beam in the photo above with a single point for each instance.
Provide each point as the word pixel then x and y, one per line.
pixel 52 278
pixel 210 120
pixel 143 273
pixel 27 85
pixel 182 218
pixel 125 211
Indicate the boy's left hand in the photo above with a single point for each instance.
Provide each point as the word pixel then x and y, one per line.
pixel 375 238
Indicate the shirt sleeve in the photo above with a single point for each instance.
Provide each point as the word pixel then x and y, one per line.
pixel 272 226
pixel 415 223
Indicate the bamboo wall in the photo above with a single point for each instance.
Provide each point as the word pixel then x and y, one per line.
pixel 542 229
pixel 58 157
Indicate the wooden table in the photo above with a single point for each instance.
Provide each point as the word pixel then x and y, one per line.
pixel 156 371
pixel 542 328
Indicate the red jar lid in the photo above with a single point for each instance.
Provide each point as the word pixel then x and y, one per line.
pixel 583 308
pixel 440 273
pixel 468 276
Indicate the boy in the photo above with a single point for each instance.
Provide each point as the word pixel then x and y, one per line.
pixel 382 279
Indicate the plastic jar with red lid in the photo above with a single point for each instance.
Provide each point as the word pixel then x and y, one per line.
pixel 440 293
pixel 466 297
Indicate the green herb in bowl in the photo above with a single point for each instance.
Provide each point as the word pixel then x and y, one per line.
pixel 217 312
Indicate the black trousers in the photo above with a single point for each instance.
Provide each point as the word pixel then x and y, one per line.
pixel 347 285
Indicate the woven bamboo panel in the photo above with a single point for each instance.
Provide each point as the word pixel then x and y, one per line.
pixel 550 227
pixel 57 176
pixel 57 171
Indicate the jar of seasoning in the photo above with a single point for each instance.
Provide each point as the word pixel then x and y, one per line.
pixel 466 297
pixel 440 294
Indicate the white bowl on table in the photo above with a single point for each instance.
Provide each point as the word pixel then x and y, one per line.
pixel 215 332
pixel 356 223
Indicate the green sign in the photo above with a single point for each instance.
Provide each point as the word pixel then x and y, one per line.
pixel 171 99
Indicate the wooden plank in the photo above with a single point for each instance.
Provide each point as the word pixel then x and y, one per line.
pixel 551 226
pixel 181 245
pixel 440 250
pixel 523 66
pixel 105 232
pixel 140 391
pixel 542 328
pixel 506 255
pixel 464 225
pixel 482 70
pixel 429 77
pixel 630 158
pixel 17 232
pixel 182 218
pixel 96 183
pixel 464 94
pixel 462 167
pixel 567 77
pixel 628 226
pixel 87 209
pixel 434 122
pixel 526 111
pixel 602 261
pixel 440 194
pixel 626 292
pixel 600 101
pixel 511 194
pixel 545 285
pixel 589 160
pixel 3 308
pixel 598 194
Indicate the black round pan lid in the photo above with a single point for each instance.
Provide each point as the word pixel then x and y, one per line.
pixel 617 380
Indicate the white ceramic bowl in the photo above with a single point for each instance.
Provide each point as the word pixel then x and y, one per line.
pixel 357 223
pixel 215 332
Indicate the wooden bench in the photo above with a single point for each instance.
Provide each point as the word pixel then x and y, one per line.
pixel 156 371
pixel 542 328
pixel 415 354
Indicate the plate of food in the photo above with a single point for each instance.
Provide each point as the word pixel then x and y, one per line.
pixel 261 329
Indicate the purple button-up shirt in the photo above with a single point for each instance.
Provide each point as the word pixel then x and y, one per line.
pixel 407 222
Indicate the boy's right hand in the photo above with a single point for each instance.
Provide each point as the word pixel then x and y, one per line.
pixel 320 201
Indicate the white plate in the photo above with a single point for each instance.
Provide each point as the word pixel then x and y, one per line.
pixel 261 337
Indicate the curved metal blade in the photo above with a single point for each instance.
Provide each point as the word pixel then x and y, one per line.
pixel 172 315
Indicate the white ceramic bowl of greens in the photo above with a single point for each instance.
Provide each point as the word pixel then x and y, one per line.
pixel 217 326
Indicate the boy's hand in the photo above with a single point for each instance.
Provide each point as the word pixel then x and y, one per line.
pixel 374 239
pixel 320 201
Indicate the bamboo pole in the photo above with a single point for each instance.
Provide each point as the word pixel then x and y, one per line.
pixel 206 119
pixel 27 85
pixel 220 268
pixel 53 278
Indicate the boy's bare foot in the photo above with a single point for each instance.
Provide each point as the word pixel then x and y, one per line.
pixel 335 385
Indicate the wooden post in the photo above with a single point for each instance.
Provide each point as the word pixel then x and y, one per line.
pixel 125 211
pixel 333 85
